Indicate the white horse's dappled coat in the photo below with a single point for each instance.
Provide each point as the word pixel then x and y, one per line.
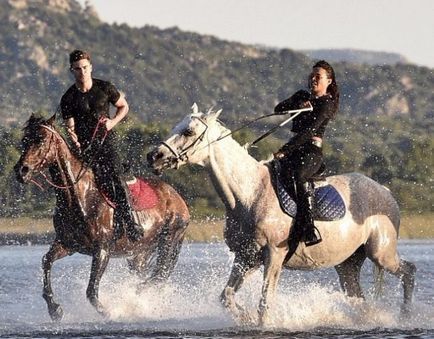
pixel 257 230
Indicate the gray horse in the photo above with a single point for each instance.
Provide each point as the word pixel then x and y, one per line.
pixel 257 230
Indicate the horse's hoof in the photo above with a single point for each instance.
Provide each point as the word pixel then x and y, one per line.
pixel 405 312
pixel 56 312
pixel 102 311
pixel 104 314
pixel 247 319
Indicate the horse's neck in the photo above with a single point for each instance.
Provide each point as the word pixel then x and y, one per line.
pixel 73 173
pixel 67 162
pixel 235 174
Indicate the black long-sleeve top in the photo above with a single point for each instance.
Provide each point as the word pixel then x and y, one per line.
pixel 308 124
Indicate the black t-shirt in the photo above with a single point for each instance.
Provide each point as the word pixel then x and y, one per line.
pixel 308 124
pixel 87 108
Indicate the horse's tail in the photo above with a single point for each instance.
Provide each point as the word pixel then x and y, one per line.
pixel 378 281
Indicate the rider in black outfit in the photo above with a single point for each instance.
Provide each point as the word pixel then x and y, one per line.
pixel 85 108
pixel 302 155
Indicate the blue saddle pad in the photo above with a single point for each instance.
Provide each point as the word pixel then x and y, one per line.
pixel 328 203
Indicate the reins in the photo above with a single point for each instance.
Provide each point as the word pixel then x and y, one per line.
pixel 182 155
pixel 294 113
pixel 83 168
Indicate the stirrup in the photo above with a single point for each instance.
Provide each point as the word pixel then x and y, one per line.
pixel 312 237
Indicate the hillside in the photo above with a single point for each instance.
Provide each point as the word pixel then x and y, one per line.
pixel 356 56
pixel 385 126
pixel 164 71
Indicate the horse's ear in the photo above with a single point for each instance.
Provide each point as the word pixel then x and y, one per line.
pixel 195 108
pixel 214 115
pixel 33 117
pixel 51 120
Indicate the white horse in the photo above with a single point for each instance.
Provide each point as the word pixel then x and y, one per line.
pixel 257 230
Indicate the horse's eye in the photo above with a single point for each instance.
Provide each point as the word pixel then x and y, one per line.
pixel 188 132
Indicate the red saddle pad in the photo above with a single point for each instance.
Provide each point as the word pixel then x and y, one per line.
pixel 143 195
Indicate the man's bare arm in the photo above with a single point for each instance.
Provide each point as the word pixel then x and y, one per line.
pixel 121 112
pixel 70 128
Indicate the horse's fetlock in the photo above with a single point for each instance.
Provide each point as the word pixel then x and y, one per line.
pixel 225 297
pixel 263 306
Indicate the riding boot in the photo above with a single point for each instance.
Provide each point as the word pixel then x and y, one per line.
pixel 134 231
pixel 124 210
pixel 310 234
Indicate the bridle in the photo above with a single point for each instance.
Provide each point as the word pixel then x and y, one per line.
pixel 83 168
pixel 55 136
pixel 182 155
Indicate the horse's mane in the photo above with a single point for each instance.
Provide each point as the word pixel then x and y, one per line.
pixel 31 129
pixel 32 132
pixel 33 123
pixel 225 129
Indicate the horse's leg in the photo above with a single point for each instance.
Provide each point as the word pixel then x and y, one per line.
pixel 349 273
pixel 385 255
pixel 169 246
pixel 406 272
pixel 273 260
pixel 56 252
pixel 100 260
pixel 240 269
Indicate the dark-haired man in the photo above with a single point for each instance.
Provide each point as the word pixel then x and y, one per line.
pixel 85 108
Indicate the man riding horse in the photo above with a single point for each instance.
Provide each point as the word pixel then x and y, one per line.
pixel 85 108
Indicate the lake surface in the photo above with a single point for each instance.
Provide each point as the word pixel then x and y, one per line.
pixel 309 304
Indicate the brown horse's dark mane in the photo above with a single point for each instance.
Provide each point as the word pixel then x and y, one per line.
pixel 32 130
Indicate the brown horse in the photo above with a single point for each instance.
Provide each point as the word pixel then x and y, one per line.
pixel 83 218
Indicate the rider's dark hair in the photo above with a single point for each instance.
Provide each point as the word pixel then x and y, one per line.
pixel 77 55
pixel 333 88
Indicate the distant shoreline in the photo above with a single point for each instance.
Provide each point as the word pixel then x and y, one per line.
pixel 29 231
pixel 16 239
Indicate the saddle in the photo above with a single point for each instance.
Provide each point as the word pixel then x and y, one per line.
pixel 328 204
pixel 142 194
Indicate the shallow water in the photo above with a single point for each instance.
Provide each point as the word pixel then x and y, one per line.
pixel 308 304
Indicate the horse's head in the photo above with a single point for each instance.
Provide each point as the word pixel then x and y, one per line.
pixel 37 147
pixel 188 142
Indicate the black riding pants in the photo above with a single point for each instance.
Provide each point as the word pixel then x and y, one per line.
pixel 303 162
pixel 107 168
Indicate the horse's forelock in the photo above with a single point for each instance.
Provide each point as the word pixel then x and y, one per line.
pixel 32 126
pixel 32 129
pixel 184 123
pixel 34 122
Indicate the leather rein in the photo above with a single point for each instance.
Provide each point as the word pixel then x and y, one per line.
pixel 182 155
pixel 56 137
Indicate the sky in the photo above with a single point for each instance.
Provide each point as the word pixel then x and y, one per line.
pixel 405 27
